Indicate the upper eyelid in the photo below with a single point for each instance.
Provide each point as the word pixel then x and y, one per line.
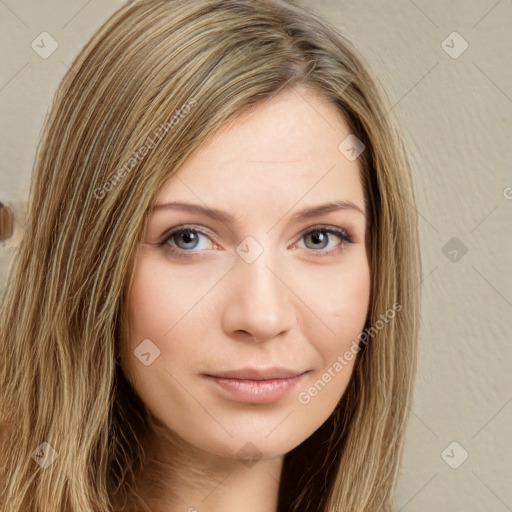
pixel 326 227
pixel 183 227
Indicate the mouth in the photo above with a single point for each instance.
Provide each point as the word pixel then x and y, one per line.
pixel 256 385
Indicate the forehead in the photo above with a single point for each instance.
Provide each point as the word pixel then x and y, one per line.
pixel 283 153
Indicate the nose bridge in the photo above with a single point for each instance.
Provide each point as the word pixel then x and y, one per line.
pixel 259 302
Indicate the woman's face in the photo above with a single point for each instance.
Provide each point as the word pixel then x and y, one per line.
pixel 240 326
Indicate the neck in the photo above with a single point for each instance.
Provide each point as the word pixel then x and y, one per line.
pixel 180 477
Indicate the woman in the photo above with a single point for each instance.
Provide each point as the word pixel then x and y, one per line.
pixel 271 366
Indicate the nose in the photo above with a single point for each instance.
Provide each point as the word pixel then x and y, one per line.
pixel 258 300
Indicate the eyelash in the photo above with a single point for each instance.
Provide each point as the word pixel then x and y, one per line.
pixel 340 233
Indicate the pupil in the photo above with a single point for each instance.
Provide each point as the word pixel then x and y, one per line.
pixel 188 237
pixel 317 237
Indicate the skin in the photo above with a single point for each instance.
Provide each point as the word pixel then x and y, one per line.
pixel 215 311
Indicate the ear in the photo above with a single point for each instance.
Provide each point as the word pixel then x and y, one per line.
pixel 7 222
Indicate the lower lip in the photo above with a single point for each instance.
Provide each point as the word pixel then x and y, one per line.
pixel 256 391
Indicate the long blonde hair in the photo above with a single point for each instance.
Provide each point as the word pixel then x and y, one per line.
pixel 182 70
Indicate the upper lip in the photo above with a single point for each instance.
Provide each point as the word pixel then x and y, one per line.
pixel 250 373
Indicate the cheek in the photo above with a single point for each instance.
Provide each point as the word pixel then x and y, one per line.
pixel 344 300
pixel 152 305
pixel 174 322
pixel 150 310
pixel 344 309
pixel 350 308
pixel 149 315
pixel 160 301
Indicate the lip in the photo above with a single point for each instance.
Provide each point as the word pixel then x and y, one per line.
pixel 256 385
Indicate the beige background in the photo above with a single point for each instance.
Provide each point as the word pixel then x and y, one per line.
pixel 455 114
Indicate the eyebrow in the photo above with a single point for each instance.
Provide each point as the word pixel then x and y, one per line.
pixel 229 218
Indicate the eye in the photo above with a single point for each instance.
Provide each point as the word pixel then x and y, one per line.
pixel 186 240
pixel 319 237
